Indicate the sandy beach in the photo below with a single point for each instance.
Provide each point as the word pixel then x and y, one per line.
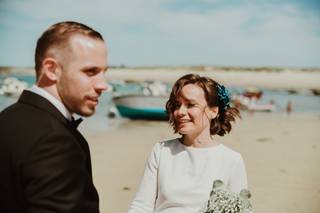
pixel 281 153
pixel 274 78
pixel 265 78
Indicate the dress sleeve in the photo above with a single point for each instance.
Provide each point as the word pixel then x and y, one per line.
pixel 145 198
pixel 238 179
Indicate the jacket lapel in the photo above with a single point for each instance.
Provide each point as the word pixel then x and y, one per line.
pixel 30 98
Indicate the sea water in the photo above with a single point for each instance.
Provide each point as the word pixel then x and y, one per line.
pixel 303 102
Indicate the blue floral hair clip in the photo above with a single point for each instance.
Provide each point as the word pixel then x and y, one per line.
pixel 223 96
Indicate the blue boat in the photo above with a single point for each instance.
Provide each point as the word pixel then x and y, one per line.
pixel 141 107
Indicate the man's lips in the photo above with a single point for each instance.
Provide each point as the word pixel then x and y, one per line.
pixel 93 100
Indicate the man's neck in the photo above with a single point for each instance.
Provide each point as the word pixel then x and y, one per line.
pixel 52 96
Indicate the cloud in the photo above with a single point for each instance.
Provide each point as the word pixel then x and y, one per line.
pixel 148 32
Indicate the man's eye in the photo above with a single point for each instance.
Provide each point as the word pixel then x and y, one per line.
pixel 189 105
pixel 90 72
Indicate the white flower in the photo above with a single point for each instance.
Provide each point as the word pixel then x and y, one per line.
pixel 222 200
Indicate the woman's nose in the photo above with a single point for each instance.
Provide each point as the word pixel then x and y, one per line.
pixel 182 110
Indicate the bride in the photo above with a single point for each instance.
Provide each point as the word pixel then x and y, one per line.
pixel 179 173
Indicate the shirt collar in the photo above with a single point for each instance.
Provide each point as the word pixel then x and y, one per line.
pixel 53 100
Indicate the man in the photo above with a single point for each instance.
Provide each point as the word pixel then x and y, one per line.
pixel 44 161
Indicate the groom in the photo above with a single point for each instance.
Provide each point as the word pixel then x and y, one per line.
pixel 45 162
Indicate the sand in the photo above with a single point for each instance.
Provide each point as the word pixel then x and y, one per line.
pixel 282 153
pixel 282 156
pixel 274 78
pixel 284 79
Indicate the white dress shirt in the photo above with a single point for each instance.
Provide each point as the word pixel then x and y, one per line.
pixel 64 111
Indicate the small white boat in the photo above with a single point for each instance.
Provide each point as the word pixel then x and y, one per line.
pixel 262 107
pixel 12 87
pixel 141 106
pixel 251 104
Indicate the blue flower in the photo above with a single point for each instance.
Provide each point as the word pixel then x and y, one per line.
pixel 224 96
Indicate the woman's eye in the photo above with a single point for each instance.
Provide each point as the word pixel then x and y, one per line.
pixel 177 106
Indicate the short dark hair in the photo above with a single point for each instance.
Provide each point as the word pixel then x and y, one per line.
pixel 222 123
pixel 58 36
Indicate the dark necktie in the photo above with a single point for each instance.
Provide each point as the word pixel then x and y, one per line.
pixel 76 122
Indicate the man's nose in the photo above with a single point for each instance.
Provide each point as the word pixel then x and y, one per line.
pixel 100 83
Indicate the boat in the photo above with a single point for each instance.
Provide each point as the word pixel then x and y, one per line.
pixel 262 107
pixel 12 87
pixel 315 92
pixel 140 106
pixel 251 104
pixel 253 93
pixel 149 103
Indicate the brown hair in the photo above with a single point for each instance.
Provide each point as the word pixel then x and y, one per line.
pixel 219 125
pixel 58 36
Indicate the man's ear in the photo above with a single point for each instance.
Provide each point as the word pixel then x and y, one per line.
pixel 50 69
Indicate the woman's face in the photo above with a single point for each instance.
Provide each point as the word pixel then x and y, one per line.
pixel 192 115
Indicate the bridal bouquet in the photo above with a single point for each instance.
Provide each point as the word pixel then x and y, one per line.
pixel 222 200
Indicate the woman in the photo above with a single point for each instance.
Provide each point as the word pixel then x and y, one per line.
pixel 179 173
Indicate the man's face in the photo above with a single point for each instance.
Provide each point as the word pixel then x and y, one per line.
pixel 82 77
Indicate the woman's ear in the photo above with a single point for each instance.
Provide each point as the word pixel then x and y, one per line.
pixel 213 112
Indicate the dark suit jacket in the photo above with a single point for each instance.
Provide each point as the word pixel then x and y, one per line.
pixel 44 161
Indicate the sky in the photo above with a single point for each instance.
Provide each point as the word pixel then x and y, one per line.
pixel 255 33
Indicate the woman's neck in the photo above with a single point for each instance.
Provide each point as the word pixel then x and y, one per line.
pixel 199 141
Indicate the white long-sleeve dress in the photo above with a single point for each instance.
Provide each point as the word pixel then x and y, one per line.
pixel 178 178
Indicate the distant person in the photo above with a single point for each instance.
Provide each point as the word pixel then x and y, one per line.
pixel 289 108
pixel 179 173
pixel 44 160
pixel 272 102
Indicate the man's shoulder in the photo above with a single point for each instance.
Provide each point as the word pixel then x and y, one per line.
pixel 28 120
pixel 21 112
pixel 9 109
pixel 23 127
